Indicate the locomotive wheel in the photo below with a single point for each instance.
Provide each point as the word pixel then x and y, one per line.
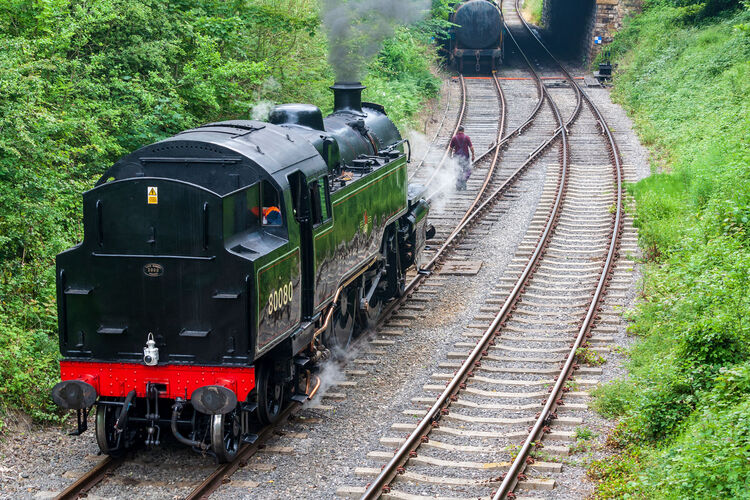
pixel 271 395
pixel 368 318
pixel 339 335
pixel 109 440
pixel 225 436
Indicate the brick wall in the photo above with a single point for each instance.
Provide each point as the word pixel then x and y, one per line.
pixel 608 20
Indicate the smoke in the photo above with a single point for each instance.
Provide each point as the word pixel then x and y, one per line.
pixel 418 143
pixel 332 371
pixel 356 30
pixel 330 375
pixel 443 183
pixel 263 107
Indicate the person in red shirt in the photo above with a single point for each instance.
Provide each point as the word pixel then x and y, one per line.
pixel 460 147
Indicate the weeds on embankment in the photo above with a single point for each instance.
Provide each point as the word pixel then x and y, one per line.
pixel 684 75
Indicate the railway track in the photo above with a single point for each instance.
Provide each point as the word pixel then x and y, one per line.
pixel 543 310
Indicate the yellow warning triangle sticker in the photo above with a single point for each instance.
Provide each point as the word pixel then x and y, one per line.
pixel 152 192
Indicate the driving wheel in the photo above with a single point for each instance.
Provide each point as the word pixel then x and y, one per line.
pixel 368 316
pixel 271 395
pixel 225 436
pixel 339 334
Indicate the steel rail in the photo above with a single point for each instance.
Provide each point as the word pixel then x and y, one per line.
pixel 425 271
pixel 548 412
pixel 500 134
pixel 381 483
pixel 93 477
pixel 224 471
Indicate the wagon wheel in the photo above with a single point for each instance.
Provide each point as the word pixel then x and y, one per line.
pixel 225 436
pixel 110 441
pixel 339 334
pixel 271 395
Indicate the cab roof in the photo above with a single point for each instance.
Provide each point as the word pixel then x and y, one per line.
pixel 224 157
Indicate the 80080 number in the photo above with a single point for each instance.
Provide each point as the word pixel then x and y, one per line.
pixel 280 298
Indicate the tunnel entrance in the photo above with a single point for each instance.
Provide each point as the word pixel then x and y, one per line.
pixel 569 28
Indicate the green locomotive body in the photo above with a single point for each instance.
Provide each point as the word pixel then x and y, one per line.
pixel 220 266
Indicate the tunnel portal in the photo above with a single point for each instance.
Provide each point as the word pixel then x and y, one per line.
pixel 579 29
pixel 569 27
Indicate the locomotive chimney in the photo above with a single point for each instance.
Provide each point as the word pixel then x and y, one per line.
pixel 347 96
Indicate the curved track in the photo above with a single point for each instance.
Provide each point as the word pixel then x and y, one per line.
pixel 553 291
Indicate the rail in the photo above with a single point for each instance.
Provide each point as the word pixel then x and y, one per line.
pixel 546 415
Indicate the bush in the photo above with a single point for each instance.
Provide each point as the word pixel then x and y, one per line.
pixel 711 457
pixel 82 83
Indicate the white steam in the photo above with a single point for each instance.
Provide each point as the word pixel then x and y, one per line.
pixel 441 182
pixel 261 110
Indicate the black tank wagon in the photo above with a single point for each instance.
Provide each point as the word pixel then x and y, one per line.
pixel 476 41
pixel 221 265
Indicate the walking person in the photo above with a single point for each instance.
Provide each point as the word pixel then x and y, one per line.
pixel 461 146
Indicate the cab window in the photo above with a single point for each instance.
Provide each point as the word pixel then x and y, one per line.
pixel 241 212
pixel 270 210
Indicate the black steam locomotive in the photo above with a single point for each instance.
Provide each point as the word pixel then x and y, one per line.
pixel 476 41
pixel 221 265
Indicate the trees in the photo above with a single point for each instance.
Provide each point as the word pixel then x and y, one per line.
pixel 84 81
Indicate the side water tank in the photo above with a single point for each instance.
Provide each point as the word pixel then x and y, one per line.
pixel 479 25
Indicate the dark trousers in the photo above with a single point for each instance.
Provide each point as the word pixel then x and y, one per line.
pixel 463 172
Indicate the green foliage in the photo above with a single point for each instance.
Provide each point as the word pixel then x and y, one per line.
pixel 400 77
pixel 711 457
pixel 612 399
pixel 616 478
pixel 590 357
pixel 684 77
pixel 532 11
pixel 82 83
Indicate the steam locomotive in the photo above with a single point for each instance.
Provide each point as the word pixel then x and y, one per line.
pixel 220 266
pixel 476 42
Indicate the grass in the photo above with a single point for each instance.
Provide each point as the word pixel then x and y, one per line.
pixel 589 357
pixel 684 77
pixel 532 11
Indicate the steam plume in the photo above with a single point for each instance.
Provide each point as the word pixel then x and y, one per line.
pixel 356 30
